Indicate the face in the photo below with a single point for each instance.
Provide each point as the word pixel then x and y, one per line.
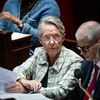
pixel 86 48
pixel 51 39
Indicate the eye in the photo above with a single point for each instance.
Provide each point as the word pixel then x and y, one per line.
pixel 86 49
pixel 46 38
pixel 57 37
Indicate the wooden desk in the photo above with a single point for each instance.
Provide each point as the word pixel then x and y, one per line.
pixel 14 48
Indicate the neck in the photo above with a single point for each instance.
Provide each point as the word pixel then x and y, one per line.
pixel 52 59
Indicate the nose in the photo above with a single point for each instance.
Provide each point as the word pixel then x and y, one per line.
pixel 81 52
pixel 52 40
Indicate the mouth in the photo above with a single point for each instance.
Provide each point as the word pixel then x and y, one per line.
pixel 52 48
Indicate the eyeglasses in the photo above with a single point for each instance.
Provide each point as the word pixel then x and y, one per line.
pixel 56 37
pixel 84 49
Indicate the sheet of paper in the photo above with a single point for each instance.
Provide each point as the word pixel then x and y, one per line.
pixel 20 96
pixel 17 35
pixel 6 76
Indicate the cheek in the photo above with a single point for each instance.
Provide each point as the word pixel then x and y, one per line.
pixel 59 43
pixel 45 45
pixel 91 51
pixel 90 54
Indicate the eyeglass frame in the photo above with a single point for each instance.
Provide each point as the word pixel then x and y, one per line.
pixel 56 37
pixel 85 49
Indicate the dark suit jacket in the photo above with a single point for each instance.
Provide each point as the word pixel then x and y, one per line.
pixel 87 67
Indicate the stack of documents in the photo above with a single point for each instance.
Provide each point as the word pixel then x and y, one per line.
pixel 22 96
pixel 6 76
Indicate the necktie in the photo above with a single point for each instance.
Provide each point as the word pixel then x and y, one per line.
pixel 93 81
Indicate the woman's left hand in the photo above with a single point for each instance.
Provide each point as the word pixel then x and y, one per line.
pixel 15 88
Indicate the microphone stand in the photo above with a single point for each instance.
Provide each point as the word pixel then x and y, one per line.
pixel 84 90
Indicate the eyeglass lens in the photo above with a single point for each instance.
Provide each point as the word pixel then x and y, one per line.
pixel 54 37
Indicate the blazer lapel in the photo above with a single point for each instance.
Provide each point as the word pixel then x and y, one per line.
pixel 87 70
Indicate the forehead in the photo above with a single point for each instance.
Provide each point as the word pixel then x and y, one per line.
pixel 50 29
pixel 83 42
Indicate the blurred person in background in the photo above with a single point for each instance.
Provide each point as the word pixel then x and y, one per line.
pixel 24 15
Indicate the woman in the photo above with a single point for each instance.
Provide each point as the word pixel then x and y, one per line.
pixel 50 71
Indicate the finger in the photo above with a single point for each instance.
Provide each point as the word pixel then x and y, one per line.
pixel 15 88
pixel 36 85
pixel 10 85
pixel 11 89
pixel 33 85
pixel 40 85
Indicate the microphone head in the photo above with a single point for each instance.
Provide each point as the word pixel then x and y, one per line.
pixel 78 73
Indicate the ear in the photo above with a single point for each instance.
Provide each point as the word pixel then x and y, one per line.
pixel 40 39
pixel 63 38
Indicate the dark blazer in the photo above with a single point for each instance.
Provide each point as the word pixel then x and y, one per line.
pixel 87 67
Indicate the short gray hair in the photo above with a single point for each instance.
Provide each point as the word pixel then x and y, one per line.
pixel 51 20
pixel 90 29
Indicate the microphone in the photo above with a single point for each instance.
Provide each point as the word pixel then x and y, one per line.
pixel 78 73
pixel 78 76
